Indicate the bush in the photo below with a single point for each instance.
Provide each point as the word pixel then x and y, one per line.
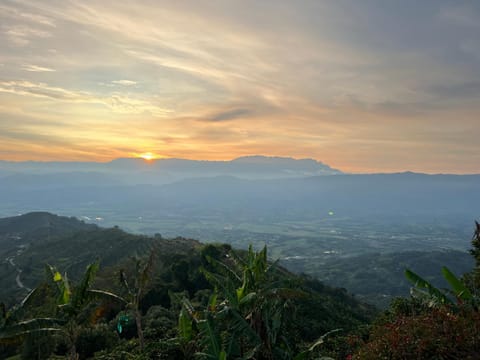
pixel 440 333
pixel 93 339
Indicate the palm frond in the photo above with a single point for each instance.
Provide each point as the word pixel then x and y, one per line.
pixel 30 326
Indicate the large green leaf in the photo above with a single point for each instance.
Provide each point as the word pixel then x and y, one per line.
pixel 305 354
pixel 458 287
pixel 80 295
pixel 211 338
pixel 185 326
pixel 61 284
pixel 147 270
pixel 3 314
pixel 30 326
pixel 240 326
pixel 101 294
pixel 224 284
pixel 421 283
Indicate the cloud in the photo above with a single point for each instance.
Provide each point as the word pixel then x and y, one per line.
pixel 23 35
pixel 36 68
pixel 33 137
pixel 221 79
pixel 464 90
pixel 119 103
pixel 124 82
pixel 471 46
pixel 465 15
pixel 19 14
pixel 230 115
pixel 41 90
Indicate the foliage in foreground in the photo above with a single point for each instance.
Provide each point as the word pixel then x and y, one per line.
pixel 210 303
pixel 214 303
pixel 434 323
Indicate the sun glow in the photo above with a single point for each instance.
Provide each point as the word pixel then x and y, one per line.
pixel 147 156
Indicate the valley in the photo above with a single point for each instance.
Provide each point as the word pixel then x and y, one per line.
pixel 356 233
pixel 342 252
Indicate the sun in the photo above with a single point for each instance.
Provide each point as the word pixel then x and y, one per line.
pixel 148 156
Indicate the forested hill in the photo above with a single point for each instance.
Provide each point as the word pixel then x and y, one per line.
pixel 28 242
pixel 19 231
pixel 188 297
pixel 70 245
pixel 378 278
pixel 181 268
pixel 35 222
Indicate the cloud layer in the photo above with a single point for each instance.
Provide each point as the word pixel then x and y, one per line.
pixel 362 86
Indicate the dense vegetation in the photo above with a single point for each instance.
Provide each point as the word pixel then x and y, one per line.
pixel 378 278
pixel 156 298
pixel 366 259
pixel 434 323
pixel 178 299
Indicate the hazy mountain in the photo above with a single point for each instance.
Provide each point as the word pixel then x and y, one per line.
pixel 353 195
pixel 55 180
pixel 161 171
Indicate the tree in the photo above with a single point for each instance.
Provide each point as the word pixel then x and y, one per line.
pixel 436 297
pixel 12 328
pixel 75 304
pixel 247 315
pixel 476 244
pixel 135 289
pixel 434 323
pixel 475 251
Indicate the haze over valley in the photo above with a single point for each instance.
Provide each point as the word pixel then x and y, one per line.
pixel 310 215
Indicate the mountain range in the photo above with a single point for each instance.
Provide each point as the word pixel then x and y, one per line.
pixel 160 171
pixel 393 195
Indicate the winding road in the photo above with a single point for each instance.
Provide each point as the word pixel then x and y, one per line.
pixel 11 261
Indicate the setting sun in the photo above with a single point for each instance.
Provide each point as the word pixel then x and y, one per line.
pixel 147 156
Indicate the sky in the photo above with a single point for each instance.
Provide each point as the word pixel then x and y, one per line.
pixel 364 86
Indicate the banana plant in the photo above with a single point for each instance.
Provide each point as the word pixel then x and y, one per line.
pixel 304 355
pixel 434 296
pixel 246 315
pixel 74 303
pixel 458 288
pixel 218 329
pixel 135 289
pixel 11 327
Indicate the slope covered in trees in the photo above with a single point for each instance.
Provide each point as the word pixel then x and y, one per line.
pixel 228 302
pixel 378 278
pixel 433 323
pixel 106 294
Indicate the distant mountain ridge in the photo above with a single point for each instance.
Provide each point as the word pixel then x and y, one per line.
pixel 349 195
pixel 161 171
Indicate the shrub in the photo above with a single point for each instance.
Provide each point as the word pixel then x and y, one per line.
pixel 440 333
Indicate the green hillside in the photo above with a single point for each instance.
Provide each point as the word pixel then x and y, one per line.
pixel 377 278
pixel 182 269
pixel 30 241
pixel 102 293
